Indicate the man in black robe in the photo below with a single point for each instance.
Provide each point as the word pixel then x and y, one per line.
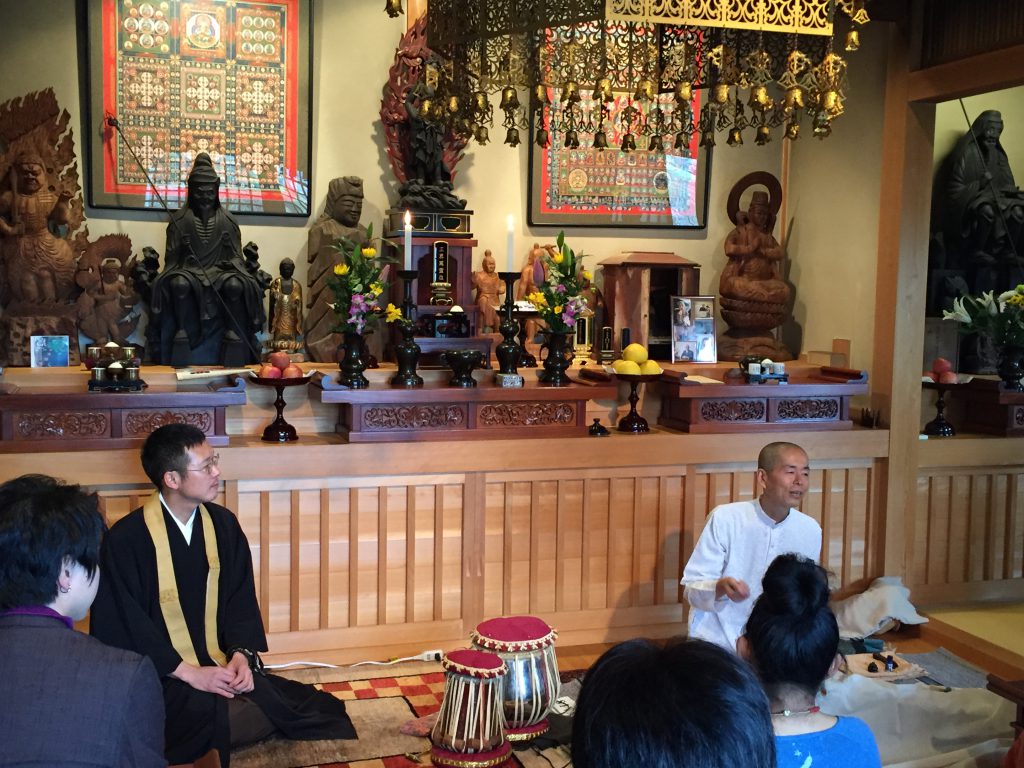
pixel 178 587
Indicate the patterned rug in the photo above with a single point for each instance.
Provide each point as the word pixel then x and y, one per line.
pixel 379 701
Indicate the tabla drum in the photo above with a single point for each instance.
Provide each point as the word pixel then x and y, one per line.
pixel 470 727
pixel 527 646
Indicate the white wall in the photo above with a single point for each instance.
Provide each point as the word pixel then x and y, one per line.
pixel 834 186
pixel 833 209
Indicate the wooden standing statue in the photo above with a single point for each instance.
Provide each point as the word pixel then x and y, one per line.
pixel 41 214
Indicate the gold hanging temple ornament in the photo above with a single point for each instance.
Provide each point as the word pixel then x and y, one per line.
pixel 775 58
pixel 801 17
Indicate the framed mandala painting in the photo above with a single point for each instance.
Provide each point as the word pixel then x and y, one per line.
pixel 587 187
pixel 168 79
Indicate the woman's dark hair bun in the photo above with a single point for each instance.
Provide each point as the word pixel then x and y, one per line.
pixel 795 586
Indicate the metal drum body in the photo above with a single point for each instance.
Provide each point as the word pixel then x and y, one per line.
pixel 527 646
pixel 470 727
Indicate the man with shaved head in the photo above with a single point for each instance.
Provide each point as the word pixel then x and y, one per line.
pixel 723 576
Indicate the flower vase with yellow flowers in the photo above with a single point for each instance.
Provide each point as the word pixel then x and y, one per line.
pixel 1001 319
pixel 559 301
pixel 357 282
pixel 407 351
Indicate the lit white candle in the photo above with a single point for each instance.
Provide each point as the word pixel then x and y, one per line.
pixel 511 245
pixel 408 240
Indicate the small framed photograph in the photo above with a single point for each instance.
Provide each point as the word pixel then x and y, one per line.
pixel 693 329
pixel 50 351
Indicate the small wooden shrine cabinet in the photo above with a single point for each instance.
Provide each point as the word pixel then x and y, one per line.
pixel 637 290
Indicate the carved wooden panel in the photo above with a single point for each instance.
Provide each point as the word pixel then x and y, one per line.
pixel 733 410
pixel 61 425
pixel 526 414
pixel 143 422
pixel 417 417
pixel 808 408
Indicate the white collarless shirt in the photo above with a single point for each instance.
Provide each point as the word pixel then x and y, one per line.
pixel 739 541
pixel 185 528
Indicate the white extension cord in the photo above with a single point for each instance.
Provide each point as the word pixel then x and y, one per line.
pixel 432 655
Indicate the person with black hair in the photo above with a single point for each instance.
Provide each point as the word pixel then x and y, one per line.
pixel 792 640
pixel 68 698
pixel 688 704
pixel 206 643
pixel 723 575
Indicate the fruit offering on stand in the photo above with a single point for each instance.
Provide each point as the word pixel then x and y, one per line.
pixel 279 366
pixel 942 372
pixel 635 362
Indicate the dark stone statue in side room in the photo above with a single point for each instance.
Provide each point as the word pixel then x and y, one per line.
pixel 339 220
pixel 984 209
pixel 977 233
pixel 207 304
pixel 755 298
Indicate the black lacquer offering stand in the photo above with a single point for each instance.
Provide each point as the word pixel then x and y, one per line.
pixel 279 430
pixel 509 353
pixel 407 351
pixel 939 426
pixel 633 422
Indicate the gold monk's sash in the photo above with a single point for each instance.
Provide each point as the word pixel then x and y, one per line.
pixel 170 604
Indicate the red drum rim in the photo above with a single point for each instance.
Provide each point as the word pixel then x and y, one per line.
pixel 513 634
pixel 447 759
pixel 474 663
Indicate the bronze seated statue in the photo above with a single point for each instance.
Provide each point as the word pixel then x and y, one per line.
pixel 207 304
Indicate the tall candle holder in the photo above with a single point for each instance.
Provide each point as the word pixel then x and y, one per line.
pixel 407 351
pixel 508 351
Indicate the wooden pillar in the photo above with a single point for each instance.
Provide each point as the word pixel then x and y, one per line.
pixel 900 297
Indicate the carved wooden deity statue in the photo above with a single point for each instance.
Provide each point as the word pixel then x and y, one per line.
pixel 108 295
pixel 339 220
pixel 489 288
pixel 207 304
pixel 285 309
pixel 39 267
pixel 755 298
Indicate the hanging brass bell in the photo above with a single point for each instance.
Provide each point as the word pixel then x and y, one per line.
pixel 509 99
pixel 453 104
pixel 438 112
pixel 853 40
pixel 684 91
pixel 480 101
pixel 512 137
pixel 572 139
pixel 603 89
pixel 644 90
pixel 543 139
pixel 822 126
pixel 481 135
pixel 682 140
pixel 570 92
pixel 793 131
pixel 759 97
pixel 656 144
pixel 540 93
pixel 394 8
pixel 831 103
pixel 735 137
pixel 628 143
pixel 763 135
pixel 795 98
pixel 427 107
pixel 707 138
pixel 600 140
pixel 721 93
